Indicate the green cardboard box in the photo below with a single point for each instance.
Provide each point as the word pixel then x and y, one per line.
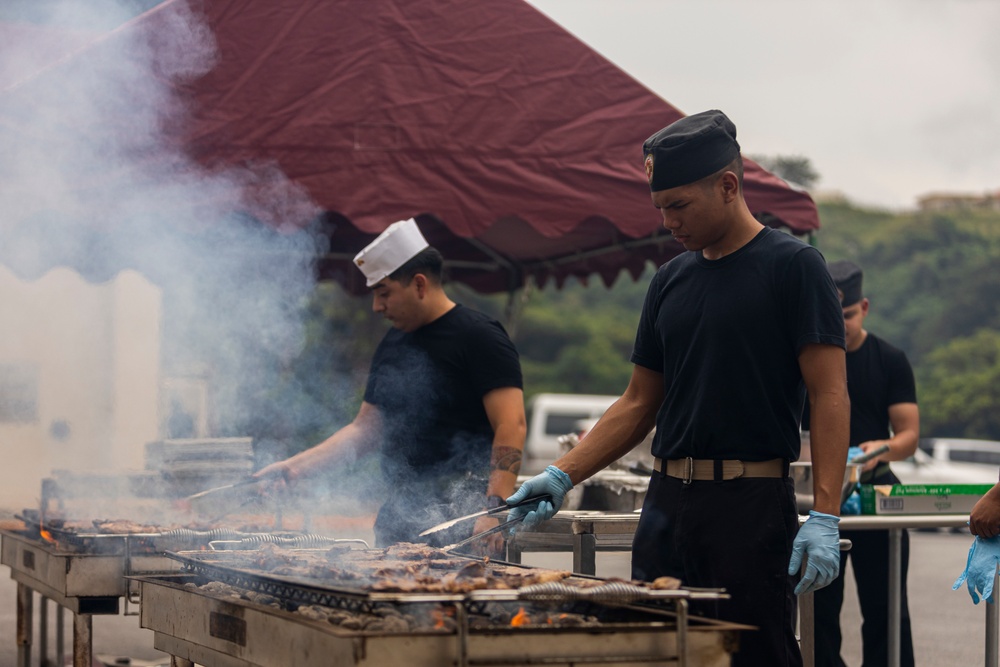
pixel 921 498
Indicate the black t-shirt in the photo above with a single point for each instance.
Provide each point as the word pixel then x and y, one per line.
pixel 429 385
pixel 878 376
pixel 726 335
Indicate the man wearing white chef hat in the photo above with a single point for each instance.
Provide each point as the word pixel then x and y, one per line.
pixel 443 405
pixel 400 242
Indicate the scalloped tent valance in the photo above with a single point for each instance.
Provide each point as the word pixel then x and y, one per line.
pixel 516 145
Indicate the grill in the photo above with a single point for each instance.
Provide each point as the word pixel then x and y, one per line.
pixel 206 602
pixel 221 610
pixel 88 572
pixel 87 578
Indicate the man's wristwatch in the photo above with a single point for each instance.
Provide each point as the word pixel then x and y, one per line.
pixel 492 502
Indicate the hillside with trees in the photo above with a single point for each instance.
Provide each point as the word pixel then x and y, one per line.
pixel 934 284
pixel 932 279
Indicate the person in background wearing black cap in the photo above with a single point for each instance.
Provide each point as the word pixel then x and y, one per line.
pixel 883 412
pixel 728 333
pixel 443 406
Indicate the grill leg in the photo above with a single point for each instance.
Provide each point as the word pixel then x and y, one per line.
pixel 43 631
pixel 585 553
pixel 513 550
pixel 807 623
pixel 25 613
pixel 83 650
pixel 60 633
pixel 895 586
pixel 682 633
pixel 992 656
pixel 462 622
pixel 807 620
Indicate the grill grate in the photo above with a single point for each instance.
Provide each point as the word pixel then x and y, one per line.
pixel 293 592
pixel 289 592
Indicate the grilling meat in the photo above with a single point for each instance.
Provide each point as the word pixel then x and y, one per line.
pixel 665 584
pixel 411 551
pixel 403 568
pixel 124 527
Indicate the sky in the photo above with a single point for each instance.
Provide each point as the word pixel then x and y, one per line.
pixel 889 99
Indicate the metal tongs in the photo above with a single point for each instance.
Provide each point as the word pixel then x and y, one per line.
pixel 224 500
pixel 859 460
pixel 485 533
pixel 868 456
pixel 475 515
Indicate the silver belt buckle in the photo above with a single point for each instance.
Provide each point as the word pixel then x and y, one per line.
pixel 688 469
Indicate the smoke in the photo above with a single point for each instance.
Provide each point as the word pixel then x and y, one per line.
pixel 95 176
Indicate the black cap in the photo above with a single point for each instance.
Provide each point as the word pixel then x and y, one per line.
pixel 847 276
pixel 689 149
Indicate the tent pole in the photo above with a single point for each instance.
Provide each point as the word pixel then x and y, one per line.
pixel 516 300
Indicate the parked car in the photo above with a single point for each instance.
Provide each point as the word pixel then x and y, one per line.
pixel 551 416
pixel 924 468
pixel 620 487
pixel 963 449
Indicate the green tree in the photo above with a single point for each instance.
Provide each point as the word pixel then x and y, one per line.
pixel 931 277
pixel 793 168
pixel 934 288
pixel 578 339
pixel 959 386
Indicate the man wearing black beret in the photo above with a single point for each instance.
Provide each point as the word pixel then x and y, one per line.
pixel 728 334
pixel 883 412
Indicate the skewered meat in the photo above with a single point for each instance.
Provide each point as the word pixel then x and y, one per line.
pixel 411 551
pixel 394 569
pixel 665 584
pixel 124 526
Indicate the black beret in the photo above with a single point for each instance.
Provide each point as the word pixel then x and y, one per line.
pixel 847 276
pixel 689 149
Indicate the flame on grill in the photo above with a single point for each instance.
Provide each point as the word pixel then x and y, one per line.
pixel 520 618
pixel 441 616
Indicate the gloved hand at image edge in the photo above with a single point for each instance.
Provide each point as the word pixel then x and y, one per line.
pixel 818 540
pixel 853 453
pixel 551 481
pixel 980 568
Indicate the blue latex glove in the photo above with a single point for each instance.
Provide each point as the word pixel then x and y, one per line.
pixel 851 506
pixel 819 539
pixel 551 481
pixel 853 453
pixel 984 555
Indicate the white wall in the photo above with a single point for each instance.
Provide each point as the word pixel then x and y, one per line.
pixel 95 350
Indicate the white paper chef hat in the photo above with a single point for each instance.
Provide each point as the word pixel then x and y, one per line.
pixel 397 245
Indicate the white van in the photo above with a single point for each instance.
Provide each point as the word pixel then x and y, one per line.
pixel 950 461
pixel 553 415
pixel 965 450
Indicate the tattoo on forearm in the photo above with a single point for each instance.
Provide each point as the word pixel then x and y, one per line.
pixel 507 459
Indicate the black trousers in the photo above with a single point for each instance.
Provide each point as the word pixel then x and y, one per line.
pixel 869 556
pixel 735 535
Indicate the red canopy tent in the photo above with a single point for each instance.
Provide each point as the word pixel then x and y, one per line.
pixel 515 145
